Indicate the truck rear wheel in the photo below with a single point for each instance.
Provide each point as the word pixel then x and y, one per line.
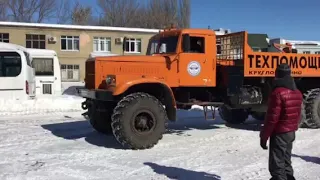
pixel 261 115
pixel 312 109
pixel 100 118
pixel 303 116
pixel 258 115
pixel 139 121
pixel 233 116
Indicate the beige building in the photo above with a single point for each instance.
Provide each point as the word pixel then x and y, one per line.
pixel 74 43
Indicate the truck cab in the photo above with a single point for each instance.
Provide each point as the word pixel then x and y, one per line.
pixel 190 51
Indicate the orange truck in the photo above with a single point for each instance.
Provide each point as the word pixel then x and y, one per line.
pixel 134 97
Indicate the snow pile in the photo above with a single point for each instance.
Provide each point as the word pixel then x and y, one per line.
pixel 41 105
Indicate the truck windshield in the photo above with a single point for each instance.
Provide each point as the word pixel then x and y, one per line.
pixel 163 45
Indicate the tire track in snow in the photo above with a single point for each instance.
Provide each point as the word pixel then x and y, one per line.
pixel 202 146
pixel 34 135
pixel 38 112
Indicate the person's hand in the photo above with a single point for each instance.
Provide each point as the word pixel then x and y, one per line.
pixel 263 144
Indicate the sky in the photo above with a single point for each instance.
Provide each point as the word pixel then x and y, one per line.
pixel 288 19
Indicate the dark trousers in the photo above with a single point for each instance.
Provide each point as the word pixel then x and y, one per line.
pixel 280 156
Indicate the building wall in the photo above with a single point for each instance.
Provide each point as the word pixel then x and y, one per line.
pixel 17 35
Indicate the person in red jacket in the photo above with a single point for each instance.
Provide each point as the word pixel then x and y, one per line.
pixel 281 121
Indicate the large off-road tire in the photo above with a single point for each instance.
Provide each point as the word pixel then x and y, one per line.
pixel 312 109
pixel 100 118
pixel 261 115
pixel 233 116
pixel 303 116
pixel 139 121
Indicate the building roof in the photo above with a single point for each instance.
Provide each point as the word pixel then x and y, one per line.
pixel 219 31
pixel 11 46
pixel 258 40
pixel 78 27
pixel 296 42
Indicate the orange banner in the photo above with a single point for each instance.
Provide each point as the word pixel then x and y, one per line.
pixel 262 64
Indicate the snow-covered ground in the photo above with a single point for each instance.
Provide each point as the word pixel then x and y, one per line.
pixel 49 139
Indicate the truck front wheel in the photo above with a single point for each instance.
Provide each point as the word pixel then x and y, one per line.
pixel 139 121
pixel 100 117
pixel 233 116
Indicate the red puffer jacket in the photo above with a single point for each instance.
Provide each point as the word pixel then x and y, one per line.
pixel 284 112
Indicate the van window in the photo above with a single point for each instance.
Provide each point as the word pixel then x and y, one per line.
pixel 27 58
pixel 10 64
pixel 43 66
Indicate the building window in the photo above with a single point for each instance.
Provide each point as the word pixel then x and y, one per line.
pixel 10 64
pixel 317 52
pixel 101 44
pixel 36 41
pixel 43 66
pixel 70 72
pixel 306 52
pixel 133 45
pixel 70 43
pixel 218 43
pixel 4 37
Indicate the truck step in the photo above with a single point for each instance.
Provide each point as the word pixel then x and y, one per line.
pixel 202 103
pixel 205 106
pixel 205 111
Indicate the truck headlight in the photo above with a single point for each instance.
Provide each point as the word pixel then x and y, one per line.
pixel 111 79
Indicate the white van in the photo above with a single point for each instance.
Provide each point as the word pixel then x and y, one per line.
pixel 16 73
pixel 47 71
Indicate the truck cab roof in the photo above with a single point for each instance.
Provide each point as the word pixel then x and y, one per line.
pixel 172 32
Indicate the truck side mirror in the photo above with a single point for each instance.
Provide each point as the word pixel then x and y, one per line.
pixel 185 42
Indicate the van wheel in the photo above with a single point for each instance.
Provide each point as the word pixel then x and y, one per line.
pixel 233 116
pixel 100 118
pixel 139 121
pixel 312 109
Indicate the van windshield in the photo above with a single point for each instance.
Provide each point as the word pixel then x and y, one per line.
pixel 163 45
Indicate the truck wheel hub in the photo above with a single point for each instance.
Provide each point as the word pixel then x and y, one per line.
pixel 144 122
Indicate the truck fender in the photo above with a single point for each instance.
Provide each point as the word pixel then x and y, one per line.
pixel 169 100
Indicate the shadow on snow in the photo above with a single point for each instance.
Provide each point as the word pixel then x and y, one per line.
pixel 315 160
pixel 180 173
pixel 187 120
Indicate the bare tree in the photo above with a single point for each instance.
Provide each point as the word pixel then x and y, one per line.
pixel 3 7
pixel 120 13
pixel 46 10
pixel 63 12
pixel 162 13
pixel 31 10
pixel 81 15
pixel 184 16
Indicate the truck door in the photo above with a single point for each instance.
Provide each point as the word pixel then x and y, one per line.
pixel 197 66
